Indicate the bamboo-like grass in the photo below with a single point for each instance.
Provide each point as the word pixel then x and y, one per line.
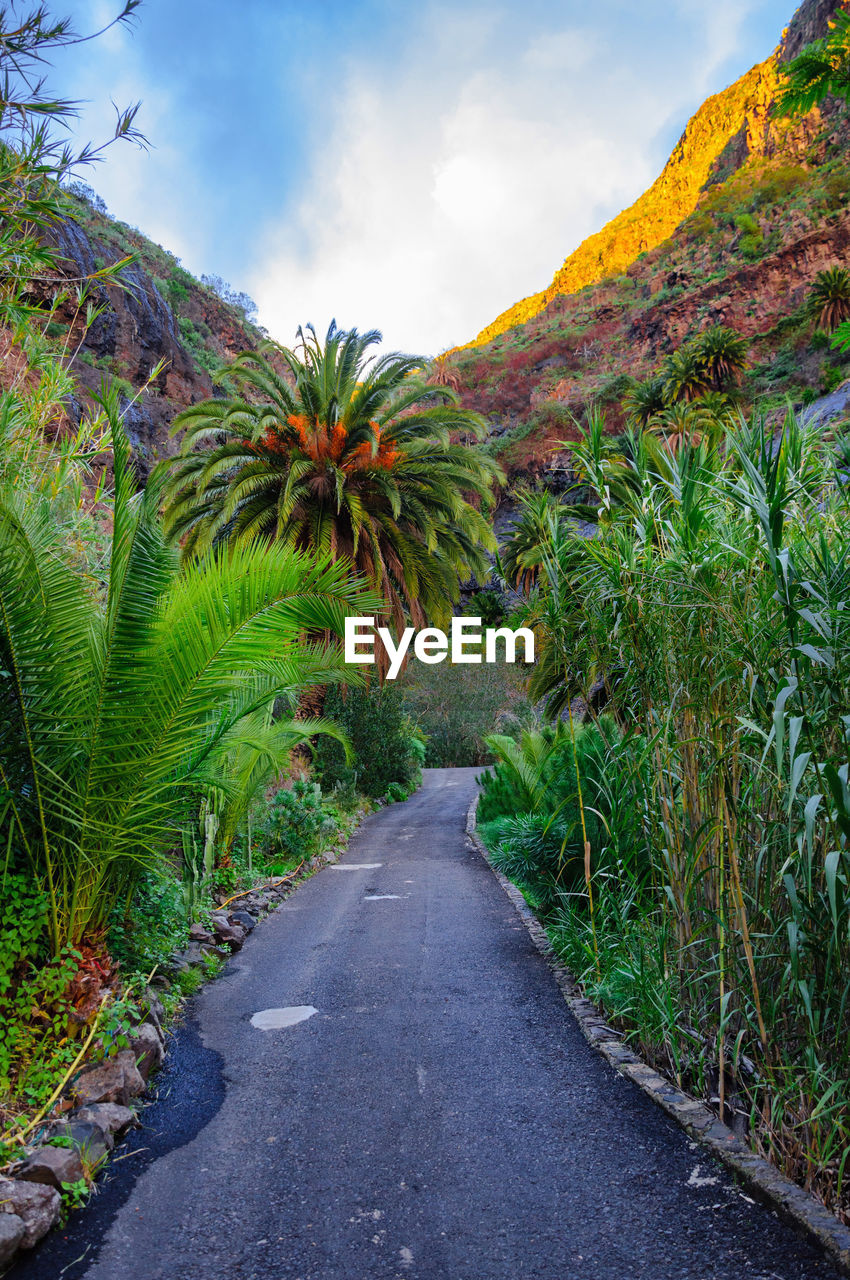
pixel 715 599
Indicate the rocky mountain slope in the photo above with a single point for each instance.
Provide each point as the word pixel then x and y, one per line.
pixel 159 313
pixel 748 209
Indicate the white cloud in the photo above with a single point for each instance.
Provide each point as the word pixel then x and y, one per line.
pixel 442 197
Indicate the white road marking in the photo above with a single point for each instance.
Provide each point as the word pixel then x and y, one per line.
pixel 381 897
pixel 696 1181
pixel 355 866
pixel 275 1019
pixel 420 1080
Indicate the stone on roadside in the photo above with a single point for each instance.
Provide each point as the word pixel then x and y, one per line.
pixel 199 933
pixel 109 1116
pixel 244 919
pixel 232 934
pixel 52 1166
pixel 89 1137
pixel 12 1231
pixel 36 1205
pixel 115 1080
pixel 146 1048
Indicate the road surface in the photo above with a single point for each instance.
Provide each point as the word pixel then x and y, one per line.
pixel 438 1117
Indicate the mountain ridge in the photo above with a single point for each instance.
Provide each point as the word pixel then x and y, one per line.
pixel 729 127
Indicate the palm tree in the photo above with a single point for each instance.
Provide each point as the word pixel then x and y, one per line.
pixel 829 299
pixel 539 514
pixel 643 400
pixel 723 353
pixel 684 375
pixel 823 68
pixel 114 708
pixel 442 373
pixel 344 454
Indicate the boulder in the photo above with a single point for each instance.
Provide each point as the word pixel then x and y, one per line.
pixel 232 934
pixel 243 918
pixel 146 1048
pixel 210 949
pixel 12 1231
pixel 52 1166
pixel 115 1080
pixel 113 1119
pixel 191 956
pixel 32 1203
pixel 199 933
pixel 90 1139
pixel 154 1008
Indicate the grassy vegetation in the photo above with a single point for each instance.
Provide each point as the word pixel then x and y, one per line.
pixel 690 850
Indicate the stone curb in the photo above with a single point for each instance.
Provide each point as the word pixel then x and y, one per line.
pixel 793 1203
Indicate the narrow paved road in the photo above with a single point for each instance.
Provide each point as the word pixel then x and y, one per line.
pixel 440 1116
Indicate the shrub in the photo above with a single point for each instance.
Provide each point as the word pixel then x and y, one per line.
pixel 751 243
pixel 456 706
pixel 297 822
pixel 144 931
pixel 382 735
pixel 552 790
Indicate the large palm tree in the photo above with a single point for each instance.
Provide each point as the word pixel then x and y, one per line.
pixel 346 454
pixel 829 299
pixel 115 708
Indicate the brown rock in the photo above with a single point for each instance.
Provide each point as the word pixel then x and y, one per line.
pixel 146 1048
pixel 232 934
pixel 198 933
pixel 36 1205
pixel 115 1080
pixel 109 1116
pixel 52 1166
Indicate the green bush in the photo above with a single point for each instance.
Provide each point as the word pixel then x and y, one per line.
pixel 297 822
pixel 751 243
pixel 549 792
pixel 382 734
pixel 34 1013
pixel 396 793
pixel 144 931
pixel 456 706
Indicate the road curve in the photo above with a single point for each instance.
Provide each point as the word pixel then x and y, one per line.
pixel 439 1117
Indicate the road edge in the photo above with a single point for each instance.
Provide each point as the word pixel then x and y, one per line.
pixel 794 1204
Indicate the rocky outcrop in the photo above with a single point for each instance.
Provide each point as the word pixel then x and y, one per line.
pixel 136 328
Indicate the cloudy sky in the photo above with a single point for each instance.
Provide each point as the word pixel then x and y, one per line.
pixel 407 165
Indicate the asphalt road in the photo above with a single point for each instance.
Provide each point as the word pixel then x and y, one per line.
pixel 439 1117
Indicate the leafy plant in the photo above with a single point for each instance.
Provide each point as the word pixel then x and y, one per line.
pixel 709 615
pixel 112 710
pixel 347 456
pixel 821 69
pixel 381 734
pixel 297 822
